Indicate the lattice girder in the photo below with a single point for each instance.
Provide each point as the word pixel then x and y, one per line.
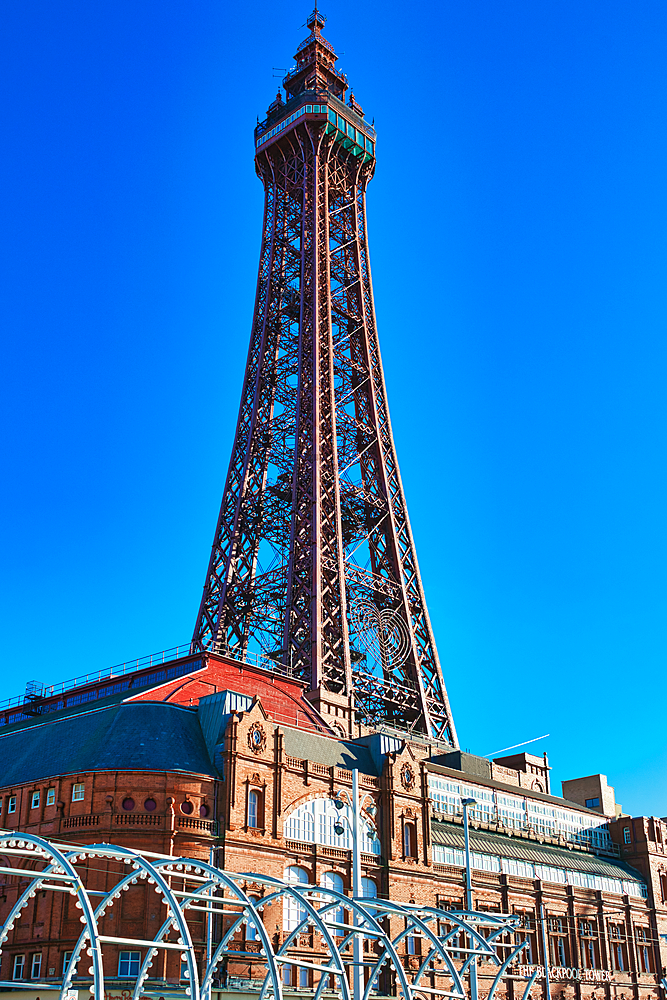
pixel 313 493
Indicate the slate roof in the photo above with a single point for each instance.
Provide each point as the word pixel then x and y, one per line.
pixel 322 750
pixel 138 736
pixel 498 845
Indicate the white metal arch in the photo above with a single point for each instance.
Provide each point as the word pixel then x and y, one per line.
pixel 439 973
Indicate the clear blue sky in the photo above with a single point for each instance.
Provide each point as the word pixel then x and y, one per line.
pixel 518 222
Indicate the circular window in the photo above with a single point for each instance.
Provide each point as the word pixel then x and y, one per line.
pixel 128 804
pixel 187 808
pixel 204 811
pixel 150 805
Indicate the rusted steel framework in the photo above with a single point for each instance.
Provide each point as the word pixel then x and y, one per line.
pixel 313 557
pixel 319 929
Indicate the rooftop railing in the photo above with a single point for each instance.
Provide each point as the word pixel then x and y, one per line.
pixel 36 691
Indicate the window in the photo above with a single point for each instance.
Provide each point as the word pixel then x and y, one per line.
pixel 409 840
pixel 128 963
pixel 296 976
pixel 617 947
pixel 34 801
pixel 255 817
pixel 251 933
pixel 11 805
pixel 626 835
pixel 588 944
pixel 51 797
pixel 526 933
pixel 558 942
pixel 77 796
pixel 592 803
pixel 293 911
pixel 36 966
pixel 66 957
pixel 332 880
pixel 314 822
pixel 309 109
pixel 19 966
pixel 413 945
pixel 643 950
pixel 369 889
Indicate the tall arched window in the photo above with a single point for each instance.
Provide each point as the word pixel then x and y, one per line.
pixel 253 803
pixel 369 889
pixel 256 809
pixel 251 933
pixel 409 840
pixel 332 880
pixel 293 911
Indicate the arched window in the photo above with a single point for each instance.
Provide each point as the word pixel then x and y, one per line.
pixel 332 880
pixel 293 911
pixel 409 840
pixel 313 823
pixel 369 889
pixel 251 933
pixel 255 809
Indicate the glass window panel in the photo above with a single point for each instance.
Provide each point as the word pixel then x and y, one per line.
pixel 309 109
pixel 332 880
pixel 293 911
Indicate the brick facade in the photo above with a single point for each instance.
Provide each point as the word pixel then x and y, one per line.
pixel 209 815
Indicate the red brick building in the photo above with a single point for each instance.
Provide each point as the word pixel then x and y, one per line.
pixel 206 757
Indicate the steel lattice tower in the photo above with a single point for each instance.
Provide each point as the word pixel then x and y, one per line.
pixel 313 558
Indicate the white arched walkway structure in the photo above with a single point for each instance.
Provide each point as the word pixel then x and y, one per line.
pixel 448 941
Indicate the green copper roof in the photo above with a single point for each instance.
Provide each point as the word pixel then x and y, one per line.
pixel 138 736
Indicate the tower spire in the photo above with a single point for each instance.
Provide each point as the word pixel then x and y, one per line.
pixel 313 562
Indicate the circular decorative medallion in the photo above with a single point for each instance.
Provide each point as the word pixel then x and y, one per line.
pixel 257 738
pixel 408 778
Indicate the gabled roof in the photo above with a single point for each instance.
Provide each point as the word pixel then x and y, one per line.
pixel 330 752
pixel 136 736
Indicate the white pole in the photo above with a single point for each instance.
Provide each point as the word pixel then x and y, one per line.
pixel 466 834
pixel 358 977
pixel 209 925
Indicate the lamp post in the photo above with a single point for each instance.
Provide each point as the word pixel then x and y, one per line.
pixel 466 834
pixel 357 976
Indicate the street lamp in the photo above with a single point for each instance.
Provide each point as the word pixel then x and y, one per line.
pixel 339 829
pixel 466 803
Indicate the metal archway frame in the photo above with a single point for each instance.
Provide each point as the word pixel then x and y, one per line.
pixel 439 972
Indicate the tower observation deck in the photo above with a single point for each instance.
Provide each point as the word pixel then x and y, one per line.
pixel 313 559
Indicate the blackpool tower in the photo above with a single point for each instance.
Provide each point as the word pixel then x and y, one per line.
pixel 313 561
